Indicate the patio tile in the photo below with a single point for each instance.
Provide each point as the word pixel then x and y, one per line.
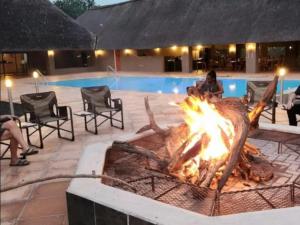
pixel 49 220
pixel 49 190
pixel 16 195
pixel 11 211
pixel 36 208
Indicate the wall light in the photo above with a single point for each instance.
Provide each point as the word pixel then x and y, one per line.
pixel 185 49
pixel 99 52
pixel 250 46
pixel 174 47
pixel 232 48
pixel 199 47
pixel 128 51
pixel 50 53
pixel 157 50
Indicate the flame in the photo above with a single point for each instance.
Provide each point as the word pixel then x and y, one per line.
pixel 207 125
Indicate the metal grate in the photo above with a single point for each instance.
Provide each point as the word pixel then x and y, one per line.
pixel 254 200
pixel 208 202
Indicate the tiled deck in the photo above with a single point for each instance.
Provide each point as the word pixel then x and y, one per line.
pixel 45 203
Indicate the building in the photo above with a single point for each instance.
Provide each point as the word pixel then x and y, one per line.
pixel 187 35
pixel 37 35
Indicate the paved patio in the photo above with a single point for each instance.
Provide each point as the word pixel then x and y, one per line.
pixel 45 203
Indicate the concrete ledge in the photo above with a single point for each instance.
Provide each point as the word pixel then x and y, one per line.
pixel 280 127
pixel 131 207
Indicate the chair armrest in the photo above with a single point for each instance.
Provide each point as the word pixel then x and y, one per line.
pixel 117 103
pixel 62 111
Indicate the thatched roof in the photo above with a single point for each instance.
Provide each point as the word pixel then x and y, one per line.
pixel 160 23
pixel 31 25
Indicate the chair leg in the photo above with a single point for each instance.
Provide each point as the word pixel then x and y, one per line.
pixel 122 119
pixel 3 154
pixel 72 128
pixel 273 114
pixel 96 125
pixel 58 129
pixel 40 135
pixel 110 115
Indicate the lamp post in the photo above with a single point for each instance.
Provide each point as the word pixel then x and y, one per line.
pixel 8 85
pixel 281 72
pixel 36 75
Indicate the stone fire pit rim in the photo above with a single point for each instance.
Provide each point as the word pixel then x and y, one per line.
pixel 93 158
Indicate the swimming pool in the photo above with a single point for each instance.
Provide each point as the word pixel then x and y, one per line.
pixel 232 87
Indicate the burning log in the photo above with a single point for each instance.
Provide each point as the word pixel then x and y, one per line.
pixel 212 141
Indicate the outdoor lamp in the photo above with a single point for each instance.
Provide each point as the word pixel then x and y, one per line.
pixel 36 75
pixel 8 85
pixel 282 71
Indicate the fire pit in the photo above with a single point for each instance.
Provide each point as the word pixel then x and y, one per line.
pixel 93 202
pixel 204 166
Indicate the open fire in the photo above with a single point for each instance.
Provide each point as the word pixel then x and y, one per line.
pixel 210 134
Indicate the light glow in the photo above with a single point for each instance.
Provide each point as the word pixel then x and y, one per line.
pixel 232 48
pixel 175 90
pixel 8 83
pixel 251 46
pixel 185 49
pixel 50 53
pixel 35 75
pixel 232 87
pixel 157 50
pixel 128 51
pixel 99 52
pixel 282 71
pixel 199 47
pixel 174 47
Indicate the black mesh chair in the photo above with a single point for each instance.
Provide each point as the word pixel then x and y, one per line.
pixel 97 101
pixel 255 91
pixel 44 111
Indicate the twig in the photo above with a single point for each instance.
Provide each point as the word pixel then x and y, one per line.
pixel 152 123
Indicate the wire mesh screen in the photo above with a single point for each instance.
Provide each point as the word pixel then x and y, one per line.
pixel 254 200
pixel 208 202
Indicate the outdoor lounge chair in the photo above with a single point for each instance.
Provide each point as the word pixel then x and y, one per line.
pixel 97 101
pixel 255 90
pixel 43 110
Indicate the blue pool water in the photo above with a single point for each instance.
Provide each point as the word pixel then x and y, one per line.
pixel 232 87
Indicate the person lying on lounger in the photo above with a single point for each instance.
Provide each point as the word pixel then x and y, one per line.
pixel 211 87
pixel 10 131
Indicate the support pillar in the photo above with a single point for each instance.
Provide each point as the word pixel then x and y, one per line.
pixel 117 60
pixel 251 58
pixel 51 62
pixel 187 60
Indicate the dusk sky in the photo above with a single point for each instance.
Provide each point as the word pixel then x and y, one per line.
pixel 108 2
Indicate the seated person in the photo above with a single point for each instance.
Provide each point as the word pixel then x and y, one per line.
pixel 293 107
pixel 211 87
pixel 10 131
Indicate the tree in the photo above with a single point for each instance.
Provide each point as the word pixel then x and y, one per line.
pixel 74 8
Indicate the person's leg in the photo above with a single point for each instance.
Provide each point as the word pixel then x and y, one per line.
pixel 292 117
pixel 13 146
pixel 15 132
